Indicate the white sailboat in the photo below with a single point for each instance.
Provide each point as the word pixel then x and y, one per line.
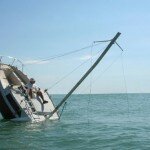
pixel 18 106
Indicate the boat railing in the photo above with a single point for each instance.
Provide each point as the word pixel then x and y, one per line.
pixel 8 60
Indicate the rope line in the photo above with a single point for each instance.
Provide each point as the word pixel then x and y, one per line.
pixel 123 71
pixel 102 41
pixel 57 82
pixel 90 91
pixel 90 86
pixel 64 106
pixel 119 46
pixel 61 55
pixel 98 77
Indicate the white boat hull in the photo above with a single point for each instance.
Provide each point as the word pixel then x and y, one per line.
pixel 16 105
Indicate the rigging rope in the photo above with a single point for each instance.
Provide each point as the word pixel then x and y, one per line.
pixel 123 71
pixel 57 82
pixel 92 45
pixel 98 77
pixel 119 46
pixel 102 41
pixel 126 91
pixel 91 72
pixel 90 84
pixel 61 55
pixel 64 106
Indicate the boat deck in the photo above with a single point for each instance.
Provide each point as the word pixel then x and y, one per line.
pixel 36 103
pixel 18 102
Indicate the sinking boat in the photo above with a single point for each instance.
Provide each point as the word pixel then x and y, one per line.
pixel 17 105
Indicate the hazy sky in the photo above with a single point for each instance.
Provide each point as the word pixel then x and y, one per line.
pixel 36 29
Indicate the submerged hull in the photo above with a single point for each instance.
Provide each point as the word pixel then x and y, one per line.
pixel 16 105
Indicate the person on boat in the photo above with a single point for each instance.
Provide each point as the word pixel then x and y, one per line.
pixel 31 88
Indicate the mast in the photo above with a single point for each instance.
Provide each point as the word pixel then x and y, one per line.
pixel 86 74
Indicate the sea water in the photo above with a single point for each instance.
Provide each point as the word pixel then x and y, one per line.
pixel 88 122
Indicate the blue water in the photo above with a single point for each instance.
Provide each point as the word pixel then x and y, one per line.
pixel 96 122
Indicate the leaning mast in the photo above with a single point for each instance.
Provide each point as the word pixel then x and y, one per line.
pixel 87 73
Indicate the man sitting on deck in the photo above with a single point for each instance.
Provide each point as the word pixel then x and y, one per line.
pixel 31 88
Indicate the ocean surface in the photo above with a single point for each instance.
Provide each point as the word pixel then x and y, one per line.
pixel 88 122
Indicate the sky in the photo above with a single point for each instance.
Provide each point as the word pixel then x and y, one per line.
pixel 34 29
